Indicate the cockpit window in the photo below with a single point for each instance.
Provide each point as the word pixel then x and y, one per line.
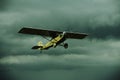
pixel 61 35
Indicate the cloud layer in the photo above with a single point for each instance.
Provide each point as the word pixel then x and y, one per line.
pixel 94 58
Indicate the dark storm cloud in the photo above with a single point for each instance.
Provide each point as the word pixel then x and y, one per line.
pixel 4 4
pixel 97 18
pixel 46 67
pixel 115 76
pixel 95 59
pixel 4 73
pixel 103 32
pixel 92 17
pixel 100 19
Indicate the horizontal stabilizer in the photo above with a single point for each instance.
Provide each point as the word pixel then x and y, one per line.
pixel 36 47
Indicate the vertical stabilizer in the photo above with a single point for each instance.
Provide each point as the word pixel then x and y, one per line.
pixel 39 46
pixel 40 43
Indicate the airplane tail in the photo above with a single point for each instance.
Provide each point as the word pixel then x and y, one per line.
pixel 38 46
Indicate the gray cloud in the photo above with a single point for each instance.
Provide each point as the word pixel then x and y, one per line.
pixel 96 57
pixel 53 67
pixel 3 4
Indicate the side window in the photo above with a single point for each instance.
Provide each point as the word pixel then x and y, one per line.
pixel 61 35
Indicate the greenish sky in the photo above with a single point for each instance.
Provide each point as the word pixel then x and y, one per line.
pixel 94 58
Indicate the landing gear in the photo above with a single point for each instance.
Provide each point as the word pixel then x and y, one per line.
pixel 65 45
pixel 54 45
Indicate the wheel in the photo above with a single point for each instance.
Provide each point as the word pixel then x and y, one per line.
pixel 66 45
pixel 54 45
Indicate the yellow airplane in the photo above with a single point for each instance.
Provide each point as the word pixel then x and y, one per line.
pixel 58 37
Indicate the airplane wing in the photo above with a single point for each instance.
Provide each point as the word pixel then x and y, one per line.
pixel 51 33
pixel 75 35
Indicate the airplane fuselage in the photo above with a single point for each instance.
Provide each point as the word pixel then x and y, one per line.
pixel 54 42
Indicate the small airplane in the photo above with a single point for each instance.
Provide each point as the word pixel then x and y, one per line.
pixel 57 37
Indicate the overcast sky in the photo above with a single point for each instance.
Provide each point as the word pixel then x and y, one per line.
pixel 93 58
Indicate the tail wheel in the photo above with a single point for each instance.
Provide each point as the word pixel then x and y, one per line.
pixel 66 45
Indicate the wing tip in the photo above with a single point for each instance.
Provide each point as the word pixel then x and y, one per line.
pixel 85 35
pixel 21 30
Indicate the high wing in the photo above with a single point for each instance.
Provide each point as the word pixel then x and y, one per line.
pixel 48 33
pixel 52 33
pixel 75 35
